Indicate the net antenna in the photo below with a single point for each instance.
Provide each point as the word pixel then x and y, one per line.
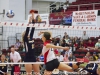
pixel 3 13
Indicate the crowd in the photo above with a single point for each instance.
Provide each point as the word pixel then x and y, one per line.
pixel 82 43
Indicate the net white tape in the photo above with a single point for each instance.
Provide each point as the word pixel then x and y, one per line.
pixel 43 62
pixel 37 25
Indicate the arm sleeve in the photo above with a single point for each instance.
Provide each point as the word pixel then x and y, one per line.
pixel 27 31
pixel 32 32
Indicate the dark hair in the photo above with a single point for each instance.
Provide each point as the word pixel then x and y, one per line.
pixel 12 47
pixel 47 35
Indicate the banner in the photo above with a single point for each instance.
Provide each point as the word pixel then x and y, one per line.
pixel 60 18
pixel 44 18
pixel 85 18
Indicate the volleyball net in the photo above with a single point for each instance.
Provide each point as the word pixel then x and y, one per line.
pixel 11 31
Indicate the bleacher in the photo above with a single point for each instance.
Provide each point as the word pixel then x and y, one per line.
pixel 81 5
pixel 39 45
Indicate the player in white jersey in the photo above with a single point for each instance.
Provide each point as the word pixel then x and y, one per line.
pixel 50 60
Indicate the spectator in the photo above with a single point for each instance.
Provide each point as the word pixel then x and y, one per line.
pixel 77 40
pixel 15 58
pixel 66 58
pixel 64 44
pixel 84 36
pixel 68 52
pixel 71 41
pixel 61 57
pixel 87 55
pixel 21 47
pixel 76 43
pixel 82 46
pixel 91 67
pixel 67 40
pixel 97 45
pixel 99 57
pixel 86 60
pixel 17 44
pixel 90 45
pixel 95 56
pixel 3 67
pixel 65 35
pixel 72 57
pixel 8 57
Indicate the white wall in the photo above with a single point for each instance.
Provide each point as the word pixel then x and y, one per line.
pixel 18 6
pixel 98 21
pixel 28 7
pixel 4 4
pixel 42 7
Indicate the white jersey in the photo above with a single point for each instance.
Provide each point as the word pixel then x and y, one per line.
pixel 48 53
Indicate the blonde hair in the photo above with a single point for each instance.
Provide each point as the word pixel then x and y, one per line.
pixel 22 38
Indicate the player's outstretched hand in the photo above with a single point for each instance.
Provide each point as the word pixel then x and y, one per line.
pixel 40 33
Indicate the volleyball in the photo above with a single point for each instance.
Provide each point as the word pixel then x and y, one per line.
pixel 10 14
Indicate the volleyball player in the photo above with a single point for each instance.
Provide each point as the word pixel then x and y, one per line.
pixel 49 57
pixel 29 49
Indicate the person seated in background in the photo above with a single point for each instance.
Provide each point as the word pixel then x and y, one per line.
pixel 17 44
pixel 95 56
pixel 3 67
pixel 84 36
pixel 61 57
pixel 90 45
pixel 86 60
pixel 67 40
pixel 98 56
pixel 82 46
pixel 72 57
pixel 77 40
pixel 64 44
pixel 76 45
pixel 66 58
pixel 21 47
pixel 65 35
pixel 97 45
pixel 87 55
pixel 8 57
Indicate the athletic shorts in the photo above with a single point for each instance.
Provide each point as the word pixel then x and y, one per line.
pixel 30 59
pixel 51 65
